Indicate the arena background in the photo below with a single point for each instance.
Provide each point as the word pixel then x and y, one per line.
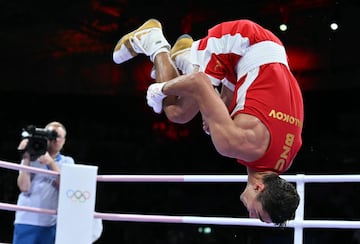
pixel 57 65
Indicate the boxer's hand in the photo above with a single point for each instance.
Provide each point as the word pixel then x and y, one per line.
pixel 154 96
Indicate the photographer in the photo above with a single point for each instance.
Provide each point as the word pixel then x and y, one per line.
pixel 39 190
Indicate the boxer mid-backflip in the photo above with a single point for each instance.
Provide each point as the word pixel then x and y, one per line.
pixel 239 79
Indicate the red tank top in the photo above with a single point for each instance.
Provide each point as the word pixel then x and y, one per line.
pixel 272 95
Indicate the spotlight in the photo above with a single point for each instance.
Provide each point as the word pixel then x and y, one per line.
pixel 334 26
pixel 283 27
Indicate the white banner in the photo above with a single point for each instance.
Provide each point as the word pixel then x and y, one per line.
pixel 77 195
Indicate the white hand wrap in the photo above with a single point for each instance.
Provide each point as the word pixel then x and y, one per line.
pixel 154 96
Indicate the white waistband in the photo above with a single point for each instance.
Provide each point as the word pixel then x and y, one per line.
pixel 261 53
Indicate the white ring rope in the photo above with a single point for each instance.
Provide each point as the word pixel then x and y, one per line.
pixel 337 224
pixel 193 178
pixel 9 165
pixel 300 179
pixel 224 178
pixel 172 178
pixel 224 221
pixel 13 207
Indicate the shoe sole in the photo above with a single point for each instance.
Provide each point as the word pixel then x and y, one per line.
pixel 125 40
pixel 182 43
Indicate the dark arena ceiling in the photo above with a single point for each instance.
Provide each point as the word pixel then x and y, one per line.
pixel 68 44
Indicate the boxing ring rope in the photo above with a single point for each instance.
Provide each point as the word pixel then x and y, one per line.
pixel 224 178
pixel 299 223
pixel 337 224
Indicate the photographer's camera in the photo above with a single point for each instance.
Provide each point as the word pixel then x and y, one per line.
pixel 38 140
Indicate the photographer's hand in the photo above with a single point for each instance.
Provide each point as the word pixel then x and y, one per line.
pixel 21 148
pixel 23 144
pixel 48 160
pixel 23 179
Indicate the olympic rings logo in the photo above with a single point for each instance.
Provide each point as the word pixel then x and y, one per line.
pixel 77 195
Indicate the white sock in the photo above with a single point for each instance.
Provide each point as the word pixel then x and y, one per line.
pixel 182 62
pixel 161 50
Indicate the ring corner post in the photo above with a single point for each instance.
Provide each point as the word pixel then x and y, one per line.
pixel 75 213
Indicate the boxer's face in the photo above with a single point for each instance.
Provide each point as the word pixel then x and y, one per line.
pixel 253 205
